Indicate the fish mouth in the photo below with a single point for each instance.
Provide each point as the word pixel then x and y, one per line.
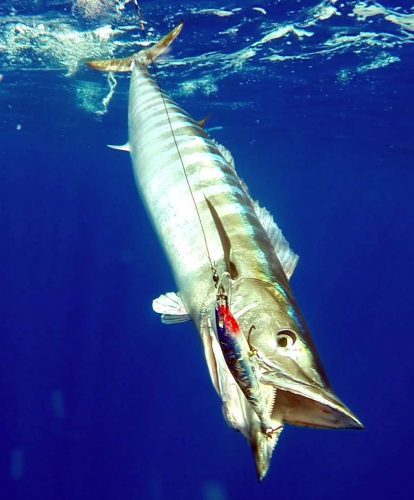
pixel 299 402
pixel 307 406
pixel 311 405
pixel 300 405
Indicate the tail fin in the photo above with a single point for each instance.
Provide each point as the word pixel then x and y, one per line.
pixel 144 57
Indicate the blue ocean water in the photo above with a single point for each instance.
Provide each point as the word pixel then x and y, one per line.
pixel 99 399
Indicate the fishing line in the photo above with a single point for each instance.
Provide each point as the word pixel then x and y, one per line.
pixel 212 267
pixel 139 15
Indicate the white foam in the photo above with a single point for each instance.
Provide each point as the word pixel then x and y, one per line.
pixel 380 61
pixel 213 12
pixel 93 98
pixel 36 42
pixel 282 31
pixel 325 10
pixel 205 85
pixel 363 11
pixel 260 9
pixel 54 44
pixel 96 9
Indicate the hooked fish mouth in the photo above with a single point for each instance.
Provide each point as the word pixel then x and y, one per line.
pixel 306 400
pixel 311 405
pixel 295 400
pixel 301 405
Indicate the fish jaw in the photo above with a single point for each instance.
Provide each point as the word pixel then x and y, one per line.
pixel 261 433
pixel 310 405
pixel 315 407
pixel 293 368
pixel 293 386
pixel 263 444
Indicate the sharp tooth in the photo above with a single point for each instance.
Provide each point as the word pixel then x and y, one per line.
pixel 270 393
pixel 272 400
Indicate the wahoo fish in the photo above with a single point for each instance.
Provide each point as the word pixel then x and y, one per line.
pixel 232 267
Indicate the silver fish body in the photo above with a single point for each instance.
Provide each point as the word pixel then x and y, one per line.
pixel 181 173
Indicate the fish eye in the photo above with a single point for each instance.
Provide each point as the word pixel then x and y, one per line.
pixel 285 338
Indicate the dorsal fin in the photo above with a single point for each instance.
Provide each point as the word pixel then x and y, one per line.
pixel 225 240
pixel 288 259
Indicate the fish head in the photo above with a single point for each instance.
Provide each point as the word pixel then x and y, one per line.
pixel 286 355
pixel 287 361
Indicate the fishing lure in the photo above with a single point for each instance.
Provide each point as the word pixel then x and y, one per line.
pixel 239 356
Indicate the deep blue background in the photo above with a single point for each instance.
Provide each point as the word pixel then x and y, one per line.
pixel 99 400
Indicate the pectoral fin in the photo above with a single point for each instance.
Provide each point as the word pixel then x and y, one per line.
pixel 171 308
